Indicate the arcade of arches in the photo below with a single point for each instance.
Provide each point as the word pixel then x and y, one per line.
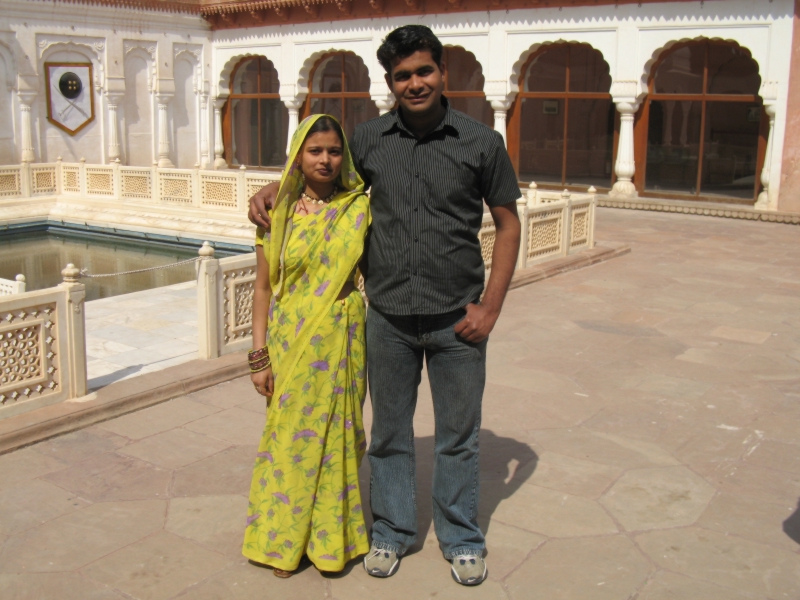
pixel 700 132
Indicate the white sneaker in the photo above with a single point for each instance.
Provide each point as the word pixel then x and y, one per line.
pixel 469 569
pixel 380 562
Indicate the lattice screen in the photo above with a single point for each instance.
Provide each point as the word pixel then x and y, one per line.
pixel 28 361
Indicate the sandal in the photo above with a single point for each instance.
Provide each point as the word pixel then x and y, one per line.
pixel 281 573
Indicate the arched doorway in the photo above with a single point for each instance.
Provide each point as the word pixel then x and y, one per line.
pixel 561 126
pixel 699 132
pixel 463 85
pixel 255 121
pixel 340 87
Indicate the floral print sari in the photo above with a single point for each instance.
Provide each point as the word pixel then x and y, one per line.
pixel 305 496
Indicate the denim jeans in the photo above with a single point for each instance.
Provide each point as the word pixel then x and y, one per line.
pixel 396 346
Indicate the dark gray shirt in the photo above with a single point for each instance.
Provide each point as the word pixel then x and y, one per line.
pixel 423 256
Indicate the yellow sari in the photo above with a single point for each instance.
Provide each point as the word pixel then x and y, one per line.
pixel 304 496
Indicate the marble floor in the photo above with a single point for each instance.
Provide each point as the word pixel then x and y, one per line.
pixel 641 441
pixel 141 332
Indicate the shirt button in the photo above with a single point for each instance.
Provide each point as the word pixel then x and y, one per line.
pixel 415 272
pixel 416 174
pixel 416 209
pixel 416 239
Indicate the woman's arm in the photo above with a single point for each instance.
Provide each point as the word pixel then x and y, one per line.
pixel 262 293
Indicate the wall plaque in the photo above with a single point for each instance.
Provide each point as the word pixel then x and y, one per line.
pixel 70 101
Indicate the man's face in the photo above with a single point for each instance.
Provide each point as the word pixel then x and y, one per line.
pixel 417 82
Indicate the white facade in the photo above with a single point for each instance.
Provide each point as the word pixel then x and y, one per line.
pixel 162 78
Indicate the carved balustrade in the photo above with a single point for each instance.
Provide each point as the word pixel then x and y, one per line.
pixel 42 346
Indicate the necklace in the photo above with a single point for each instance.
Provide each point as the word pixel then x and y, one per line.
pixel 325 200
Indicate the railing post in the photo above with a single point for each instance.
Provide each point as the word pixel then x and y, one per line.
pixel 522 211
pixel 155 193
pixel 82 177
pixel 533 197
pixel 241 189
pixel 566 231
pixel 117 179
pixel 59 176
pixel 75 347
pixel 197 188
pixel 208 309
pixel 25 184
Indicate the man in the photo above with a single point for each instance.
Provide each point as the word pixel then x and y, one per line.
pixel 430 168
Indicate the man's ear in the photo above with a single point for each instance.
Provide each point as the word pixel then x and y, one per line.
pixel 443 69
pixel 388 78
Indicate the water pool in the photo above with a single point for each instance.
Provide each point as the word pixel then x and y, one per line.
pixel 41 255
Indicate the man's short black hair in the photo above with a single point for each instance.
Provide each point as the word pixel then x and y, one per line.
pixel 404 41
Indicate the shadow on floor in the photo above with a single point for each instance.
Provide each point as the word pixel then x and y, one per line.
pixel 791 526
pixel 104 380
pixel 505 464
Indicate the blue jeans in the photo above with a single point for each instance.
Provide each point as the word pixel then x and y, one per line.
pixel 396 346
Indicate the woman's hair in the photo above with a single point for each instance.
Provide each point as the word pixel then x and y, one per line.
pixel 404 41
pixel 326 123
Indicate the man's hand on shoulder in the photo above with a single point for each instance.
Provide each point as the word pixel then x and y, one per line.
pixel 477 324
pixel 260 204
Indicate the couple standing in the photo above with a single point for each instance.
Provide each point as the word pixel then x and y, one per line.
pixel 430 169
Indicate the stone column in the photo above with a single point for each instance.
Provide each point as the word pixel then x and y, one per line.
pixel 763 198
pixel 113 126
pixel 219 147
pixel 203 130
pixel 163 131
pixel 384 103
pixel 25 102
pixel 293 106
pixel 500 108
pixel 625 166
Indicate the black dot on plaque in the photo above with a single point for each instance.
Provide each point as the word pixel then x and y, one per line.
pixel 70 85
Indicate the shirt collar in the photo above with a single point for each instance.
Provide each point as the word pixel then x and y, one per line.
pixel 448 122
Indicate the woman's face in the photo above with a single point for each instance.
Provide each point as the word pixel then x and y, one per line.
pixel 321 157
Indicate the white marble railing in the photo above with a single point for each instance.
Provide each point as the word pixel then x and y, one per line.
pixel 225 303
pixel 554 224
pixel 226 190
pixel 8 287
pixel 42 346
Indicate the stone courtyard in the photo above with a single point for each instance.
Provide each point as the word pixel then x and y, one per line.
pixel 640 441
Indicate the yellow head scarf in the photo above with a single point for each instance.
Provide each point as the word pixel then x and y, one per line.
pixel 292 184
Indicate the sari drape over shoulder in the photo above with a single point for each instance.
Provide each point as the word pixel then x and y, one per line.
pixel 305 497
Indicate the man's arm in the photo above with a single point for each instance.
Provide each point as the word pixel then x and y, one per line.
pixel 260 204
pixel 480 318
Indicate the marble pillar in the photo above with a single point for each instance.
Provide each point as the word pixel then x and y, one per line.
pixel 763 202
pixel 113 126
pixel 219 147
pixel 163 131
pixel 500 108
pixel 293 106
pixel 625 166
pixel 385 103
pixel 25 102
pixel 203 130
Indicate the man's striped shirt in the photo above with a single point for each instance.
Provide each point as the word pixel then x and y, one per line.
pixel 423 256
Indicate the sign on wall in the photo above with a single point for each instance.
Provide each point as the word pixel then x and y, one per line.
pixel 70 101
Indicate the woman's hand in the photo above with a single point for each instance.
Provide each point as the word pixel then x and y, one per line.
pixel 264 383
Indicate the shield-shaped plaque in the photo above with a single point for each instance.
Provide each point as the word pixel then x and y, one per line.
pixel 70 101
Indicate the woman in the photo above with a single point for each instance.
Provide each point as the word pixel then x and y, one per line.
pixel 309 354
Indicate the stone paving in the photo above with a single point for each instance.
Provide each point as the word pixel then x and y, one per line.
pixel 640 441
pixel 142 332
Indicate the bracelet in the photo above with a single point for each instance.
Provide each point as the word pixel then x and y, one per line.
pixel 257 366
pixel 255 355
